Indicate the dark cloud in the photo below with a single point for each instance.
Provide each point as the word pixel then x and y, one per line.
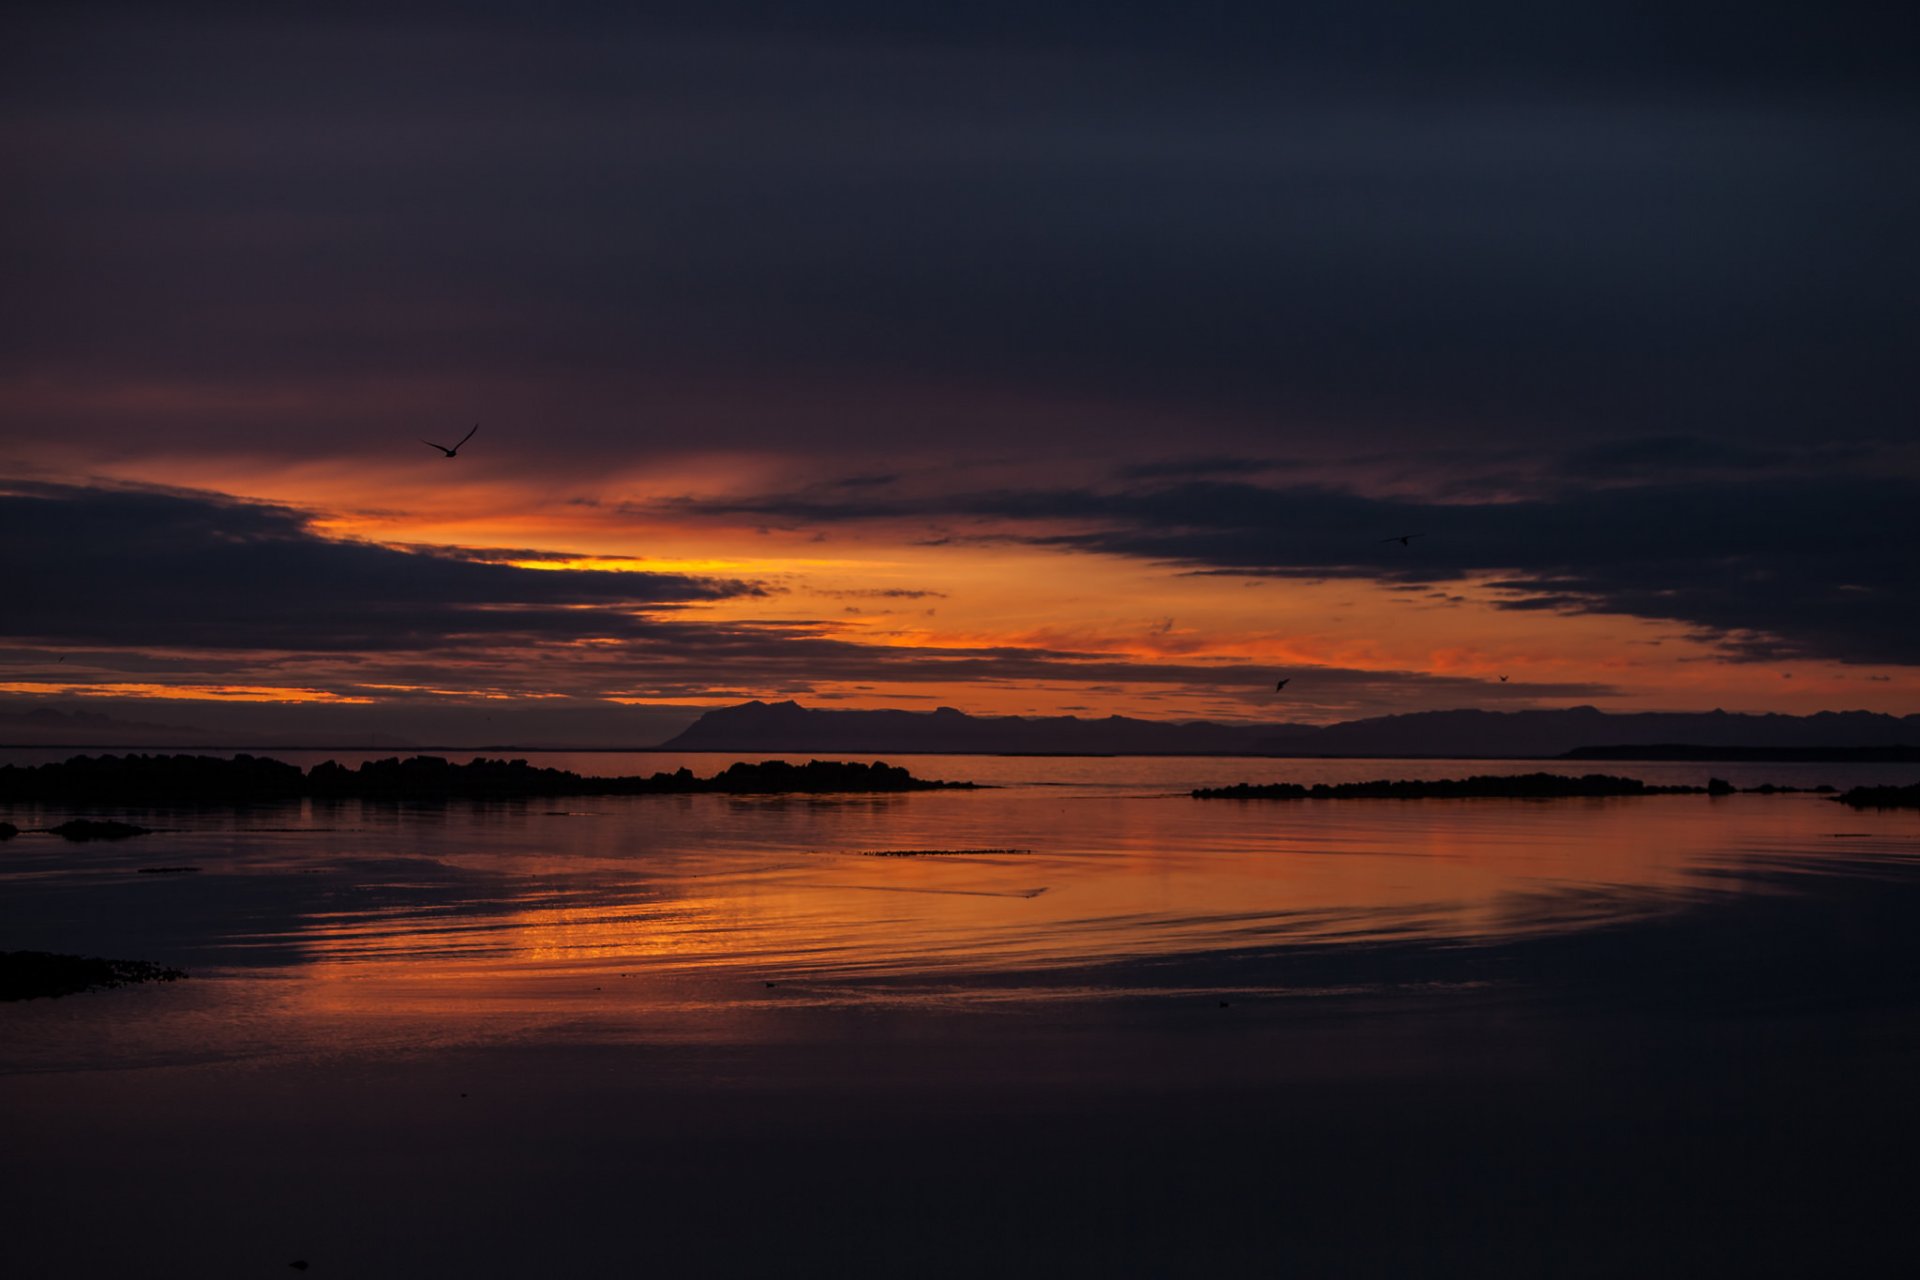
pixel 1484 473
pixel 1591 40
pixel 1652 458
pixel 864 226
pixel 148 568
pixel 1606 299
pixel 193 588
pixel 1816 565
pixel 1187 468
pixel 884 593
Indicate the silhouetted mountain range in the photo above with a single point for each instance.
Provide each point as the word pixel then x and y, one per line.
pixel 57 726
pixel 28 725
pixel 788 727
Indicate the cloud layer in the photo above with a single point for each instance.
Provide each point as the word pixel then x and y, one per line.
pixel 1614 306
pixel 144 589
pixel 861 227
pixel 1768 564
pixel 144 568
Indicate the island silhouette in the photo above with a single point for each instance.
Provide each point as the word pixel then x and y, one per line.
pixel 1523 786
pixel 196 779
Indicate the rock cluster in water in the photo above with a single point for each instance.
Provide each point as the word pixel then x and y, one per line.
pixel 1882 797
pixel 1523 786
pixel 183 779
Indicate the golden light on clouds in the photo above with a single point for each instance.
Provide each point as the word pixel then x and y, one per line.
pixel 1006 624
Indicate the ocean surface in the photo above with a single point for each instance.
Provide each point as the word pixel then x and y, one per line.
pixel 1077 974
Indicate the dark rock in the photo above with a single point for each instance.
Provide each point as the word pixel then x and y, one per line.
pixel 1882 797
pixel 8 831
pixel 1719 787
pixel 30 975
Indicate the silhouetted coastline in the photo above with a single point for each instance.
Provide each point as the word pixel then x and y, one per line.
pixel 1523 786
pixel 184 779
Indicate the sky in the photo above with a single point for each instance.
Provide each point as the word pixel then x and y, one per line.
pixel 1065 359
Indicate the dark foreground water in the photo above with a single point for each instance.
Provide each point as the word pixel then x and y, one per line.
pixel 1127 1032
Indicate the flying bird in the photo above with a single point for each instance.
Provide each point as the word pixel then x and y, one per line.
pixel 456 449
pixel 1283 684
pixel 1404 539
pixel 1503 679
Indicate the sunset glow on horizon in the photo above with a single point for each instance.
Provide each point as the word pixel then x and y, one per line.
pixel 915 618
pixel 965 639
pixel 822 376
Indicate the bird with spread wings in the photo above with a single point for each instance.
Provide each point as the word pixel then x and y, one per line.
pixel 456 448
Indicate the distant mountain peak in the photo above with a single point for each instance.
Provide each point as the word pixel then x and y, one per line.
pixel 65 725
pixel 789 728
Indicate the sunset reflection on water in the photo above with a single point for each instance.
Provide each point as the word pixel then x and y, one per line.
pixel 1073 875
pixel 931 884
pixel 1113 991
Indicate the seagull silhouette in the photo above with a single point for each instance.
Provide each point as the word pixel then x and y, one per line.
pixel 1283 684
pixel 1404 539
pixel 456 449
pixel 1503 679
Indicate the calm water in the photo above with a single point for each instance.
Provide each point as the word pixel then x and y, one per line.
pixel 610 915
pixel 1109 1030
